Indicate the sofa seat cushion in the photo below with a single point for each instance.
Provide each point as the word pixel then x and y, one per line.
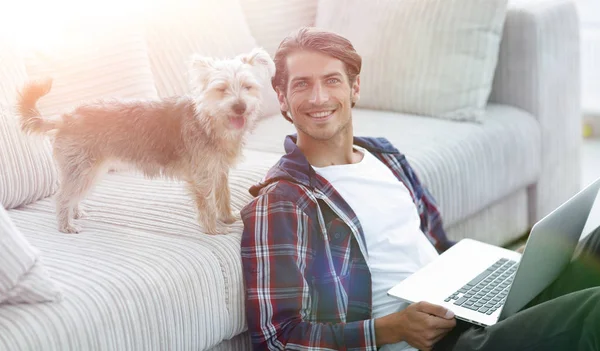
pixel 140 275
pixel 466 166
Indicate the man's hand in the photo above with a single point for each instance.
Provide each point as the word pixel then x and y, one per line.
pixel 421 325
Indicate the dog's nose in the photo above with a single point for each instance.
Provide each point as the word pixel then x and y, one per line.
pixel 239 107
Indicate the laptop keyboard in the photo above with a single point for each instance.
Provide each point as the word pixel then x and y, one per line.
pixel 487 292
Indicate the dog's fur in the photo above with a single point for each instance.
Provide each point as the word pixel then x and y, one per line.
pixel 195 138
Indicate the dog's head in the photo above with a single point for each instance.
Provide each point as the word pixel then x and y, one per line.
pixel 228 92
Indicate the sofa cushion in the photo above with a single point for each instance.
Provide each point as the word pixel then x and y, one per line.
pixel 426 57
pixel 27 170
pixel 23 276
pixel 93 61
pixel 141 275
pixel 176 30
pixel 466 166
pixel 272 20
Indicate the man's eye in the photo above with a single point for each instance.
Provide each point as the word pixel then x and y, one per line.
pixel 300 84
pixel 333 81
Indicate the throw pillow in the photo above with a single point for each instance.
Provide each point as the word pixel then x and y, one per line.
pixel 272 20
pixel 27 171
pixel 23 276
pixel 179 29
pixel 426 57
pixel 91 61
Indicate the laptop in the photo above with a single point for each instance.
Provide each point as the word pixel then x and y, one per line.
pixel 484 284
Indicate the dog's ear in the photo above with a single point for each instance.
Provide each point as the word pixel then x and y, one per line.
pixel 200 69
pixel 260 58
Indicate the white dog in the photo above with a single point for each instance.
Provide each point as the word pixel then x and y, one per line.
pixel 195 138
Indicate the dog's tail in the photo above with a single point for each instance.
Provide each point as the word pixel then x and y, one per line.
pixel 31 119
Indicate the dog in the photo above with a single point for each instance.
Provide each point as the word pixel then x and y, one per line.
pixel 195 137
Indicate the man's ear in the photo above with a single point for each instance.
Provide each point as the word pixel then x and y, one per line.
pixel 260 58
pixel 356 90
pixel 200 69
pixel 283 105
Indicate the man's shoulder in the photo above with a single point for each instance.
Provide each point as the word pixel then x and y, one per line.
pixel 377 145
pixel 279 192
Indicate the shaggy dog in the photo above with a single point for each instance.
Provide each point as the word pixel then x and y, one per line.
pixel 196 138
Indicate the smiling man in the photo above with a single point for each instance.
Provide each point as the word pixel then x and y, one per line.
pixel 340 219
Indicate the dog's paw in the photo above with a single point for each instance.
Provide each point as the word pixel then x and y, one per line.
pixel 79 213
pixel 69 229
pixel 216 229
pixel 231 218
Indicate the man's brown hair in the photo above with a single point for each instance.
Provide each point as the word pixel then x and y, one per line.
pixel 313 39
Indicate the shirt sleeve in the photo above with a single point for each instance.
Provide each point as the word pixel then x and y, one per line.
pixel 276 254
pixel 431 219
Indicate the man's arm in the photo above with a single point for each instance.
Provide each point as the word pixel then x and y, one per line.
pixel 275 257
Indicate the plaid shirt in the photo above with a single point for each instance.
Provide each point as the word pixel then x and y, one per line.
pixel 308 286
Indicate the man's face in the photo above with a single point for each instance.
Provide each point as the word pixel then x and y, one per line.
pixel 318 94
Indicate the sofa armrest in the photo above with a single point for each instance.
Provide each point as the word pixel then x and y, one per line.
pixel 539 71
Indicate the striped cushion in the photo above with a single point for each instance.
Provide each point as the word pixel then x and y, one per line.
pixel 466 166
pixel 23 277
pixel 141 275
pixel 425 57
pixel 27 170
pixel 177 30
pixel 94 61
pixel 272 20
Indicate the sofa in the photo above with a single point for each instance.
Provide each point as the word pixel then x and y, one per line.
pixel 142 275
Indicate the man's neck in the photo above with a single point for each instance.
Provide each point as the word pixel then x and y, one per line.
pixel 335 151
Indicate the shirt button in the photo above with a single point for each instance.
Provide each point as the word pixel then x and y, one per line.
pixel 337 235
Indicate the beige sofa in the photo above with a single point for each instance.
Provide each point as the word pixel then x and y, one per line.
pixel 141 276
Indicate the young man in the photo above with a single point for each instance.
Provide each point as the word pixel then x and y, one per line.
pixel 340 219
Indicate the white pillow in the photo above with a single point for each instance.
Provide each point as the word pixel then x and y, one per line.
pixel 23 277
pixel 177 30
pixel 27 171
pixel 94 61
pixel 272 20
pixel 426 57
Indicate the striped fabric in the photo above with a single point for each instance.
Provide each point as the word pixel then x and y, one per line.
pixel 23 277
pixel 27 170
pixel 140 276
pixel 94 61
pixel 425 57
pixel 490 225
pixel 467 166
pixel 271 20
pixel 539 72
pixel 176 30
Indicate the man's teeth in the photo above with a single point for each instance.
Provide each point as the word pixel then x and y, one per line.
pixel 321 114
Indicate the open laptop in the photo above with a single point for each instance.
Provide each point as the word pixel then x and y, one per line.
pixel 484 284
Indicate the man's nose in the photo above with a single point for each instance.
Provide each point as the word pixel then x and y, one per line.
pixel 318 95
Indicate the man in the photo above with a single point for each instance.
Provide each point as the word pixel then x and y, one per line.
pixel 341 219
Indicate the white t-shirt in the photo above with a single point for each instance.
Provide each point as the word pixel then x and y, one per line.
pixel 395 243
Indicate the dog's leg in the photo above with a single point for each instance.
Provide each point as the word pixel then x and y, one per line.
pixel 76 181
pixel 204 195
pixel 223 198
pixel 78 211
